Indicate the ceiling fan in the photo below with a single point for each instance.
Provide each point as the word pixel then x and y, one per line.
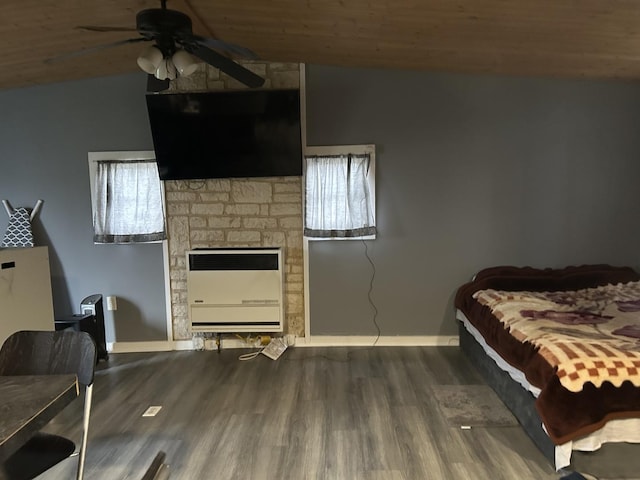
pixel 177 50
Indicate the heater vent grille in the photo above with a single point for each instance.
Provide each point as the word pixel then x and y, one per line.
pixel 233 261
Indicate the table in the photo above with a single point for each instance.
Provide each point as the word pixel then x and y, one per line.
pixel 27 403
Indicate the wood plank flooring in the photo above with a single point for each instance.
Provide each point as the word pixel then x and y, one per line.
pixel 316 413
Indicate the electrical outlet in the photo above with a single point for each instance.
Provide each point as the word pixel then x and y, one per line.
pixel 112 303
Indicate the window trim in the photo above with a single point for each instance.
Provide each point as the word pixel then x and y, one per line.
pixel 121 156
pixel 320 150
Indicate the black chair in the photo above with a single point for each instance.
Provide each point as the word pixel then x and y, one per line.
pixel 49 353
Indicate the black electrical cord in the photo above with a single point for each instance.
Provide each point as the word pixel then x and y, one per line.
pixel 373 305
pixel 374 319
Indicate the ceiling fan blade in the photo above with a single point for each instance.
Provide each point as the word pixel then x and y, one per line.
pixel 228 66
pixel 66 56
pixel 97 28
pixel 235 50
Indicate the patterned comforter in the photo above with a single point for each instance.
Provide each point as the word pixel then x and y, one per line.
pixel 575 333
pixel 590 335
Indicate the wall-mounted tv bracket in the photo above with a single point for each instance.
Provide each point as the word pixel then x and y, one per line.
pixel 19 233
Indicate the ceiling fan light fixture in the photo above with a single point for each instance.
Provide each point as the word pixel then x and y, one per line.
pixel 171 32
pixel 166 70
pixel 150 59
pixel 185 63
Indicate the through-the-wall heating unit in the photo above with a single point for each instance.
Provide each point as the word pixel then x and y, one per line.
pixel 235 290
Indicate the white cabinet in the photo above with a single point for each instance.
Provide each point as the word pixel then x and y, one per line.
pixel 26 301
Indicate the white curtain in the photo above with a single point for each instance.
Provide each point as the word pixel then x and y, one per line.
pixel 338 202
pixel 129 206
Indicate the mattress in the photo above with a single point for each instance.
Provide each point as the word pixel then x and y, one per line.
pixel 621 430
pixel 578 413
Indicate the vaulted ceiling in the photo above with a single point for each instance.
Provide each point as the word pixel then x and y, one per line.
pixel 558 38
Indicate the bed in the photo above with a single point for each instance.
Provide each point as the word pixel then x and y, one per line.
pixel 561 347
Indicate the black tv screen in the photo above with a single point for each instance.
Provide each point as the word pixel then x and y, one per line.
pixel 226 134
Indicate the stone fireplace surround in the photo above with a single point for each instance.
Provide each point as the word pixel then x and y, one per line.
pixel 242 212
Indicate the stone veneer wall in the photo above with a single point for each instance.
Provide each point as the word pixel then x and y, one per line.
pixel 243 212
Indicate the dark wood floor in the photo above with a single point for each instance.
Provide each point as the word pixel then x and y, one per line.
pixel 316 413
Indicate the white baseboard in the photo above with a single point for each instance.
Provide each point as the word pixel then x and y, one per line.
pixel 166 346
pixel 183 345
pixel 313 341
pixel 136 347
pixel 386 341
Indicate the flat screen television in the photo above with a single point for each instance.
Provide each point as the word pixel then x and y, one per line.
pixel 226 134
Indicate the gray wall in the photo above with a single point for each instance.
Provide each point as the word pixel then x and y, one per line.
pixel 45 135
pixel 472 172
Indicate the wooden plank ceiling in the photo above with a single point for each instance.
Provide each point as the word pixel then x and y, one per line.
pixel 559 38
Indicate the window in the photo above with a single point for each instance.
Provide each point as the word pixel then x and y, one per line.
pixel 126 197
pixel 339 192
